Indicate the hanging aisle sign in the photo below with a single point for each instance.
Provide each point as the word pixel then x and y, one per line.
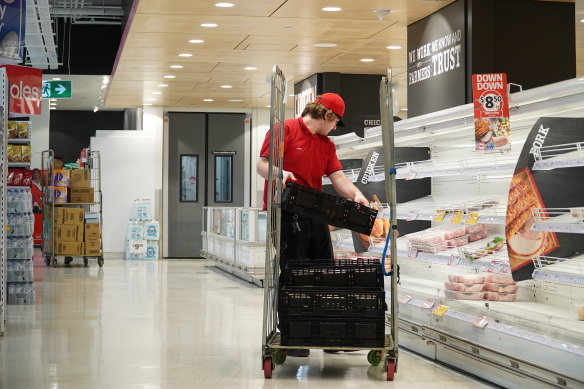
pixel 12 27
pixel 491 111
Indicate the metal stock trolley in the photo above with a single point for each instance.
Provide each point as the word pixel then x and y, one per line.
pixel 49 244
pixel 273 352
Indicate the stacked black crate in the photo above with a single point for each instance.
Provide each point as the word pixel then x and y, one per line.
pixel 20 246
pixel 338 303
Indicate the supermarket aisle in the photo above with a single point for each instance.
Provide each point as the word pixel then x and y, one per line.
pixel 170 324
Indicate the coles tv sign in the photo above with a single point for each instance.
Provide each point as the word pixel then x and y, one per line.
pixel 25 90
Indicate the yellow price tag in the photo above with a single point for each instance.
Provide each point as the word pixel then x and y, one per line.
pixel 439 216
pixel 441 310
pixel 457 217
pixel 8 228
pixel 473 218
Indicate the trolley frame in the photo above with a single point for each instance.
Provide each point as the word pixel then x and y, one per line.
pixel 273 352
pixel 49 227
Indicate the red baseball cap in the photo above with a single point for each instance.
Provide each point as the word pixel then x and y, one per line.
pixel 335 103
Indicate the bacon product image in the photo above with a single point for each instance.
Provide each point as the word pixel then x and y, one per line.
pixel 501 288
pixel 457 287
pixel 464 295
pixel 499 279
pixel 466 279
pixel 494 296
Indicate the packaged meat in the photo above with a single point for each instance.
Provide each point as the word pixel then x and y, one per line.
pixel 466 279
pixel 454 232
pixel 430 248
pixel 457 242
pixel 475 228
pixel 500 279
pixel 494 296
pixel 455 286
pixel 577 212
pixel 477 236
pixel 464 295
pixel 501 288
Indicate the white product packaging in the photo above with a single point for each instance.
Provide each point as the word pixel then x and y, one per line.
pixel 142 209
pixel 152 230
pixel 135 230
pixel 151 250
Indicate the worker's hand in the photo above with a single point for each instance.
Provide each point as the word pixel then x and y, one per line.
pixel 359 198
pixel 286 175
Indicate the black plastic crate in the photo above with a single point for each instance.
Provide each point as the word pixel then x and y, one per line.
pixel 323 302
pixel 333 332
pixel 359 273
pixel 334 210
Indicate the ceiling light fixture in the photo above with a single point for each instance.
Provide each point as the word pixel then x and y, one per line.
pixel 208 100
pixel 196 41
pixel 146 104
pixel 156 93
pixel 224 5
pixel 332 9
pixel 381 13
pixel 151 99
pixel 162 85
pixel 367 60
pixel 226 86
pixel 106 80
pixel 209 25
pixel 185 55
pixel 95 109
pixel 56 78
pixel 53 108
pixel 235 100
pixel 582 20
pixel 169 76
pixel 404 109
pixel 325 45
pixel 176 66
pixel 268 106
pixel 393 47
pixel 250 68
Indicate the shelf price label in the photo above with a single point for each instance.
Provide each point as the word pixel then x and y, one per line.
pixel 441 310
pixel 472 218
pixel 439 215
pixel 412 215
pixel 412 252
pixel 404 299
pixel 457 217
pixel 480 322
pixel 428 303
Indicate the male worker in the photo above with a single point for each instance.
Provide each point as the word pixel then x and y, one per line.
pixel 309 155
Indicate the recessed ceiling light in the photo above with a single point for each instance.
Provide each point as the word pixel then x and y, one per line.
pixel 208 100
pixel 367 60
pixel 404 109
pixel 235 100
pixel 226 86
pixel 52 99
pixel 162 85
pixel 393 47
pixel 196 41
pixel 582 20
pixel 151 99
pixel 53 108
pixel 292 95
pixel 224 5
pixel 332 9
pixel 156 93
pixel 325 45
pixel 176 66
pixel 185 55
pixel 57 78
pixel 209 25
pixel 146 104
pixel 250 68
pixel 169 76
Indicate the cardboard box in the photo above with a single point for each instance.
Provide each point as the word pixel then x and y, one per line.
pixel 71 216
pixel 80 178
pixel 61 177
pixel 81 195
pixel 70 248
pixel 93 247
pixel 69 233
pixel 92 232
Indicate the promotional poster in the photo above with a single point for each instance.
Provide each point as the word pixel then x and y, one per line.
pixel 491 111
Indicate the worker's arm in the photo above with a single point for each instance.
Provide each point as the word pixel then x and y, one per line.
pixel 345 187
pixel 263 168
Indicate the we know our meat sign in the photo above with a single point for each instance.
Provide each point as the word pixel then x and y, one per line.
pixel 491 112
pixel 25 93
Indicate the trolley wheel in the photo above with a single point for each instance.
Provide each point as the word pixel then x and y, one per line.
pixel 54 262
pixel 374 357
pixel 68 260
pixel 47 260
pixel 100 262
pixel 268 365
pixel 279 356
pixel 390 369
pixel 85 261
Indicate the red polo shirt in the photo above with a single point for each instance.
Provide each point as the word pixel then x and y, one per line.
pixel 307 156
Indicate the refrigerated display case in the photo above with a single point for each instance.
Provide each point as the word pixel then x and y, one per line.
pixel 458 301
pixel 235 239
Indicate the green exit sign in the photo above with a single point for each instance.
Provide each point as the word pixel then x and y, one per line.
pixel 57 89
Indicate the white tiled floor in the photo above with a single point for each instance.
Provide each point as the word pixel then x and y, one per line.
pixel 169 324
